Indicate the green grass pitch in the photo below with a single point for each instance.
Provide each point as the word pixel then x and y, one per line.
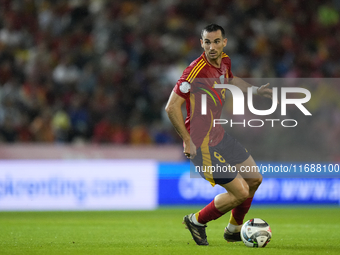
pixel 296 230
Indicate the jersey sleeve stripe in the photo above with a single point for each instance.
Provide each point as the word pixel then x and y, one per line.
pixel 193 70
pixel 192 79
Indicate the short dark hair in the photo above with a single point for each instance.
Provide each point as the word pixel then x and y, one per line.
pixel 213 28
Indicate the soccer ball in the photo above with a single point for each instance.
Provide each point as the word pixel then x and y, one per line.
pixel 256 233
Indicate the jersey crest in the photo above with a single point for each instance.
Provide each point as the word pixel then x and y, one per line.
pixel 185 87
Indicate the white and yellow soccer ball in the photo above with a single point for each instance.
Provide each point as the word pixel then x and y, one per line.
pixel 256 233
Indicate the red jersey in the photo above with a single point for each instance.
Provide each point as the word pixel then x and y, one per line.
pixel 200 78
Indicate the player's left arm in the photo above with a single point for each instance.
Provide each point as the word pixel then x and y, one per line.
pixel 243 85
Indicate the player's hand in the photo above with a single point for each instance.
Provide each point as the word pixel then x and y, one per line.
pixel 189 149
pixel 265 91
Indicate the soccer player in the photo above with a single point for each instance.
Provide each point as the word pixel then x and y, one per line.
pixel 207 144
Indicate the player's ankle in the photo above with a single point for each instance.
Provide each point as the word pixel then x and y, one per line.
pixel 233 228
pixel 195 221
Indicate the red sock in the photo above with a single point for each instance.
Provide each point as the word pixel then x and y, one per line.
pixel 238 213
pixel 208 213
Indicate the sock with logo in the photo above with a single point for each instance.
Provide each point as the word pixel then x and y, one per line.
pixel 208 213
pixel 237 216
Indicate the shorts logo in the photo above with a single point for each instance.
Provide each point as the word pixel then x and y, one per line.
pixel 185 87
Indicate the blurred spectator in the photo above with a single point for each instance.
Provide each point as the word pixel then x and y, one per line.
pixel 66 73
pixel 8 131
pixel 9 113
pixel 24 133
pixel 41 127
pixel 140 135
pixel 120 134
pixel 9 35
pixel 80 119
pixel 328 15
pixel 88 80
pixel 61 125
pixel 102 131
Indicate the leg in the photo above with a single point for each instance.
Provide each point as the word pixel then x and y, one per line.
pixel 238 191
pixel 253 179
pixel 236 186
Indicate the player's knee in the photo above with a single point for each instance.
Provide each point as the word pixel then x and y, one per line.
pixel 242 195
pixel 255 183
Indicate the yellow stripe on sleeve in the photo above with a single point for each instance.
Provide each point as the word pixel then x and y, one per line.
pixel 194 69
pixel 195 74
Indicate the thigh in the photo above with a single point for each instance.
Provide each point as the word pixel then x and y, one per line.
pixel 250 173
pixel 248 169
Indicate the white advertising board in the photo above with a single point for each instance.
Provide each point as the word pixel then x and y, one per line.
pixel 78 185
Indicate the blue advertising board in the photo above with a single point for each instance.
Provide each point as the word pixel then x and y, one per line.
pixel 177 187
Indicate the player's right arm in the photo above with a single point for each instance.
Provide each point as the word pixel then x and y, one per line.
pixel 174 110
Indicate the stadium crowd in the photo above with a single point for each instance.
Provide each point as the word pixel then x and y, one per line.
pixel 101 71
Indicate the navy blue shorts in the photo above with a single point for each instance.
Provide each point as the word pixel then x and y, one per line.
pixel 215 164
